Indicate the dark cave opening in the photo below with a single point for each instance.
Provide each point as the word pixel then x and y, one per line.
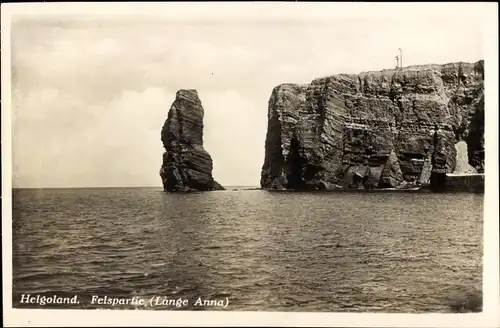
pixel 438 176
pixel 475 140
pixel 438 181
pixel 294 165
pixel 310 171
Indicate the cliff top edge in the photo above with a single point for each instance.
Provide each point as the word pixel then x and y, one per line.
pixel 186 92
pixel 387 72
pixel 422 67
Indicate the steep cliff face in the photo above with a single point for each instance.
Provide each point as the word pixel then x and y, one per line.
pixel 386 129
pixel 187 166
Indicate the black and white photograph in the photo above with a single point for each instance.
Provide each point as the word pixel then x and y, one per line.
pixel 250 163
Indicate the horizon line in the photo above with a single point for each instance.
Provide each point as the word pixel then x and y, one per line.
pixel 116 187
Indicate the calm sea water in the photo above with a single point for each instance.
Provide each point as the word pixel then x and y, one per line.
pixel 270 251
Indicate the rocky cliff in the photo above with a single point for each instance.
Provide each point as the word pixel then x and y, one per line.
pixel 187 166
pixel 386 129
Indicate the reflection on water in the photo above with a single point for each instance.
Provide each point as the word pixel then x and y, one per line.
pixel 388 252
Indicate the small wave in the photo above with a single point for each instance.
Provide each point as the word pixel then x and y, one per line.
pixel 157 265
pixel 222 294
pixel 41 276
pixel 290 250
pixel 212 247
pixel 332 245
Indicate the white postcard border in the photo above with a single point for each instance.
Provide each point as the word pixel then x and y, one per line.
pixel 279 11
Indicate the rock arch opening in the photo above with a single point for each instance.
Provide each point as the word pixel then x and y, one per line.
pixel 462 165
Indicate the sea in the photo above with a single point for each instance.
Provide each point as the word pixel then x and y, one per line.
pixel 249 250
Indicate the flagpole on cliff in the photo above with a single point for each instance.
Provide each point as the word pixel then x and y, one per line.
pixel 400 57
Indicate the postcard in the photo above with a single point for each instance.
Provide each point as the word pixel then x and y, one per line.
pixel 250 163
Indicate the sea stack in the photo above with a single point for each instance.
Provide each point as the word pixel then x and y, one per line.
pixel 187 166
pixel 394 128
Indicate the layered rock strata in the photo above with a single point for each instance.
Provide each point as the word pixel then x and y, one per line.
pixel 386 129
pixel 187 166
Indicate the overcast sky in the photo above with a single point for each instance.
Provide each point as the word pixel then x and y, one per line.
pixel 90 95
